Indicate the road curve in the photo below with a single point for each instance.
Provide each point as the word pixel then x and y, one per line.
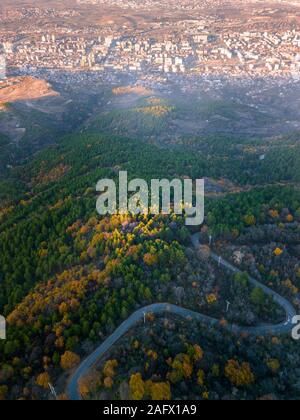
pixel 158 308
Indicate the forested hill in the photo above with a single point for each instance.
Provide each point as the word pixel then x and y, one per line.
pixel 78 161
pixel 60 262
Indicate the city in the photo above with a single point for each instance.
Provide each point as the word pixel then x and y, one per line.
pixel 212 44
pixel 251 53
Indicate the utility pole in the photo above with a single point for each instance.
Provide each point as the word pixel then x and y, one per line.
pixel 2 328
pixel 228 304
pixel 52 390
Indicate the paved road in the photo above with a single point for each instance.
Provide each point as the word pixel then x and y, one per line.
pixel 158 308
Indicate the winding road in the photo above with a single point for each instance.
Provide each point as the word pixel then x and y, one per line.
pixel 158 308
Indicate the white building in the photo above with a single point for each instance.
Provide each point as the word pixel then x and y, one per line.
pixel 8 47
pixel 2 67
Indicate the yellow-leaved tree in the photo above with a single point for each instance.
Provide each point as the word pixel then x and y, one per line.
pixel 69 360
pixel 43 380
pixel 278 252
pixel 158 391
pixel 239 374
pixel 182 367
pixel 109 368
pixel 136 387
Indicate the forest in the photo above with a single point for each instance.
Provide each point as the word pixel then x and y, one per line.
pixel 196 363
pixel 69 277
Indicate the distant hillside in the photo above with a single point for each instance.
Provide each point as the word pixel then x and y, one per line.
pixel 24 88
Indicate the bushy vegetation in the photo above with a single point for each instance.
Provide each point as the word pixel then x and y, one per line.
pixel 171 359
pixel 68 278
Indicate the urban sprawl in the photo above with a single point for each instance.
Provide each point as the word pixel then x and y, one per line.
pixel 193 49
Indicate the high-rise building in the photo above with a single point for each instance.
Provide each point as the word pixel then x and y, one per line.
pixel 8 47
pixel 2 67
